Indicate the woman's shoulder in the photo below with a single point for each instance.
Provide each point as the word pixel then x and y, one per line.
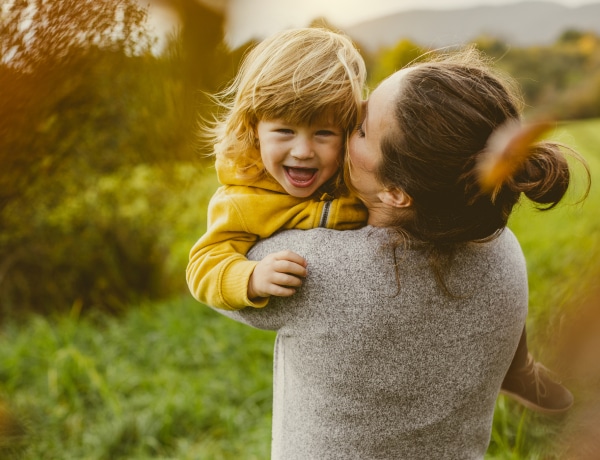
pixel 323 241
pixel 498 259
pixel 505 244
pixel 369 239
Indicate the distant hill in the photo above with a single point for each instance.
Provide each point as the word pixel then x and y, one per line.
pixel 522 24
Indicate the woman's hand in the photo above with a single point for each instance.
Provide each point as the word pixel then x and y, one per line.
pixel 277 274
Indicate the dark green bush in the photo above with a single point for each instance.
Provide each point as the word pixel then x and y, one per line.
pixel 95 131
pixel 108 244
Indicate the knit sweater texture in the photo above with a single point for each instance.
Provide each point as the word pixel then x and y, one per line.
pixel 365 368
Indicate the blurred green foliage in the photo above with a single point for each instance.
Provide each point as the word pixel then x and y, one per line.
pixel 95 135
pixel 560 81
pixel 108 244
pixel 173 380
pixel 103 178
pixel 388 60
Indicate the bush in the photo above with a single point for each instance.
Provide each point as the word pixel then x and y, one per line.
pixel 105 245
pixel 91 124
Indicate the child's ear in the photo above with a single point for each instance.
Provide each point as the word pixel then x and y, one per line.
pixel 253 132
pixel 256 140
pixel 395 198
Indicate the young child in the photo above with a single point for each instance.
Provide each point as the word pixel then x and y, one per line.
pixel 279 148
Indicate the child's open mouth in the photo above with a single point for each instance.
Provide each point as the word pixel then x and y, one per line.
pixel 301 177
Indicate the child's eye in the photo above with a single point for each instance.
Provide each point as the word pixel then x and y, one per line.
pixel 325 132
pixel 285 131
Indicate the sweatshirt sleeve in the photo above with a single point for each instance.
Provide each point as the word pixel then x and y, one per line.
pixel 218 270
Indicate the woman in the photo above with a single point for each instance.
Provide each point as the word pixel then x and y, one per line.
pixel 398 341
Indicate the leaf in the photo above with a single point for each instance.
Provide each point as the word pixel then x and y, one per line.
pixel 507 149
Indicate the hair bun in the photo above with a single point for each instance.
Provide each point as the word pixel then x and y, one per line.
pixel 507 149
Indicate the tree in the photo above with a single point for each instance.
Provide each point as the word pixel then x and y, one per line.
pixel 86 109
pixel 38 33
pixel 560 80
pixel 391 59
pixel 51 54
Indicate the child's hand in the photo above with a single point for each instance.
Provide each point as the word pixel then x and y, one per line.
pixel 277 274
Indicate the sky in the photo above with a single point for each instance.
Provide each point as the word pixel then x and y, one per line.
pixel 247 19
pixel 256 19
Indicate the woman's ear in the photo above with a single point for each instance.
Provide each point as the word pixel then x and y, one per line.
pixel 395 198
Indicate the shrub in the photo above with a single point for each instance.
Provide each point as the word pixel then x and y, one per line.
pixel 122 238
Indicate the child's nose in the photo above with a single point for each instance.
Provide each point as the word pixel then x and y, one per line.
pixel 302 149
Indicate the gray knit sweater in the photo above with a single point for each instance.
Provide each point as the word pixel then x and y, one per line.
pixel 366 370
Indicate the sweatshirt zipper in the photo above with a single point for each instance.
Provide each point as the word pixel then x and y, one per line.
pixel 325 214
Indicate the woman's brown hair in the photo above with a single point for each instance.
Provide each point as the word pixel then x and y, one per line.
pixel 446 111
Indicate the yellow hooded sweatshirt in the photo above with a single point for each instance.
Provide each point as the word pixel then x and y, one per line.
pixel 239 214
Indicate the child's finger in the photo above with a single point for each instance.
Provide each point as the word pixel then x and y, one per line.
pixel 291 268
pixel 284 279
pixel 291 257
pixel 281 291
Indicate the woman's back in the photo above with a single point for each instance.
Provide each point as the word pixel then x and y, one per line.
pixel 364 370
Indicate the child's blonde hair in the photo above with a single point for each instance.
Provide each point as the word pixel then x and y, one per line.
pixel 298 75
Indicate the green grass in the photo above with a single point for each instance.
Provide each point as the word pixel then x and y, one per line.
pixel 176 381
pixel 562 247
pixel 173 380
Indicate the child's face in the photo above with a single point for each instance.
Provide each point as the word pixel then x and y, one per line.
pixel 300 157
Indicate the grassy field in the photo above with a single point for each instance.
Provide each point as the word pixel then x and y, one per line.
pixel 176 381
